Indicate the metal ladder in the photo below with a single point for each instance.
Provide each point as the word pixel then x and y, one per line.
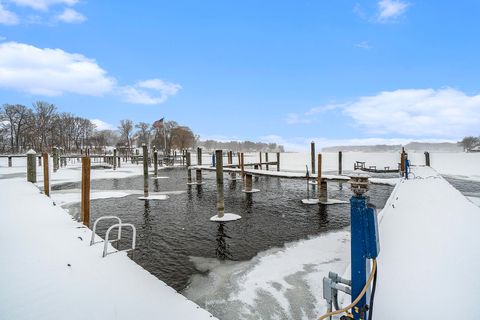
pixel 118 225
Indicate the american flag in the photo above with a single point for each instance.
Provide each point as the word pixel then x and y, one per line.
pixel 158 123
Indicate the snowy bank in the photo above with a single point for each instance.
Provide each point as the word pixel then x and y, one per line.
pixel 49 270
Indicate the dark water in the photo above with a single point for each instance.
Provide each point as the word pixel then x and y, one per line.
pixel 171 231
pixel 466 187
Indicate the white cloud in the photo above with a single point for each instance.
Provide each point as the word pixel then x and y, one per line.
pixel 71 16
pixel 389 10
pixel 363 45
pixel 7 17
pixel 418 112
pixel 43 5
pixel 102 125
pixel 153 91
pixel 52 72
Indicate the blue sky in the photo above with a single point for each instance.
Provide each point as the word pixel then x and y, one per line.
pixel 334 71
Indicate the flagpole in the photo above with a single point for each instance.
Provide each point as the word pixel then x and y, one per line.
pixel 164 139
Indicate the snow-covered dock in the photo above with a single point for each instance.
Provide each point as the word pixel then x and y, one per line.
pixel 430 252
pixel 276 174
pixel 49 270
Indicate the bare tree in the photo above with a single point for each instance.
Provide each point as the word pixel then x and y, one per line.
pixel 143 133
pixel 17 116
pixel 126 128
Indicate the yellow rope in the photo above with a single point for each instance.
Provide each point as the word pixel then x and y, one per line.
pixel 362 293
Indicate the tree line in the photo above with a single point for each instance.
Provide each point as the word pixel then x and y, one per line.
pixel 42 127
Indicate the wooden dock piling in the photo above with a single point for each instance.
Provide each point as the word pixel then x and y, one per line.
pixel 266 160
pixel 340 156
pixel 312 156
pixel 278 161
pixel 321 183
pixel 114 159
pixel 220 194
pixel 9 161
pixel 46 179
pixel 427 158
pixel 155 162
pixel 39 161
pixel 31 166
pixel 85 205
pixel 199 162
pixel 55 158
pixel 248 182
pixel 145 170
pixel 260 160
pixel 242 165
pixel 189 172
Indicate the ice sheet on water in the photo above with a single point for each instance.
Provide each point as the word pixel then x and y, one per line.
pixel 280 283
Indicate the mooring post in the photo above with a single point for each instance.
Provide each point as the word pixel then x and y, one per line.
pixel 230 162
pixel 340 155
pixel 55 159
pixel 402 162
pixel 278 161
pixel 155 162
pixel 9 161
pixel 145 170
pixel 85 205
pixel 242 165
pixel 199 163
pixel 312 156
pixel 119 160
pixel 260 160
pixel 39 161
pixel 220 195
pixel 248 182
pixel 114 159
pixel 46 180
pixel 189 172
pixel 427 158
pixel 322 183
pixel 31 166
pixel 266 161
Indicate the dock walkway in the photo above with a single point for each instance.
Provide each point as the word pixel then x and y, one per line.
pixel 430 252
pixel 49 270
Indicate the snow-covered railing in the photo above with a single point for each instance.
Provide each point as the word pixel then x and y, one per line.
pixel 120 225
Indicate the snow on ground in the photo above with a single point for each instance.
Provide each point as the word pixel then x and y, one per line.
pixel 49 271
pixel 430 252
pixel 280 283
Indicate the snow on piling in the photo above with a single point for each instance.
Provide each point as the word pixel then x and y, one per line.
pixel 31 166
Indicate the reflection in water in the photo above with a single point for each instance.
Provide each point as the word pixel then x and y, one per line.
pixel 222 251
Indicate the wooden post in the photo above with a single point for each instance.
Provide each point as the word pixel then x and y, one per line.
pixel 220 195
pixel 233 175
pixel 155 162
pixel 39 161
pixel 427 158
pixel 46 180
pixel 31 166
pixel 319 170
pixel 340 155
pixel 114 159
pixel 55 159
pixel 312 155
pixel 199 163
pixel 189 172
pixel 242 165
pixel 248 182
pixel 145 170
pixel 402 161
pixel 266 160
pixel 278 161
pixel 260 160
pixel 85 206
pixel 119 160
pixel 321 183
pixel 9 161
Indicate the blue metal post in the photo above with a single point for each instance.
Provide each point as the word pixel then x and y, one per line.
pixel 358 251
